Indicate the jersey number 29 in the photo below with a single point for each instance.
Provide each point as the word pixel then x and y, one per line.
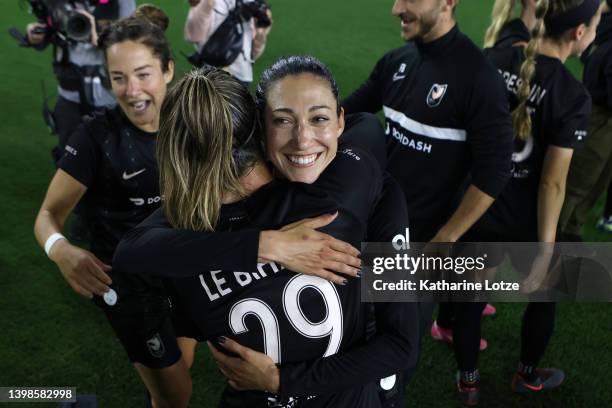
pixel 331 325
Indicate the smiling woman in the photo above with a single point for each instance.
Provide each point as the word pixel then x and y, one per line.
pixel 110 163
pixel 139 75
pixel 303 121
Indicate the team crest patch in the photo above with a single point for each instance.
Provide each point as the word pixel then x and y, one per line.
pixel 436 93
pixel 156 346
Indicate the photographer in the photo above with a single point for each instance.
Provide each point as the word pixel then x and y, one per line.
pixel 205 17
pixel 71 26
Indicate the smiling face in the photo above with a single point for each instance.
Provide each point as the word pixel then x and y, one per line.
pixel 419 18
pixel 138 82
pixel 302 126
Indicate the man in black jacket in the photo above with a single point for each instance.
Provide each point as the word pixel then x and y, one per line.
pixel 449 131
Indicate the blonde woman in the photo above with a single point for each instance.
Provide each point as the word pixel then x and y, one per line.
pixel 506 31
pixel 550 113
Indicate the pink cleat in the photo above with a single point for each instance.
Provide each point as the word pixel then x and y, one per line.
pixel 446 335
pixel 489 310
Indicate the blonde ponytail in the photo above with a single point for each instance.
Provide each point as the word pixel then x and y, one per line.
pixel 501 14
pixel 521 119
pixel 195 146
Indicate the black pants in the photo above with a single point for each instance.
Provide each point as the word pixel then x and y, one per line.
pixel 536 331
pixel 465 320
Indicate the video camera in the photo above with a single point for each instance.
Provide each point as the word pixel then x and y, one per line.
pixel 67 19
pixel 258 10
pixel 59 17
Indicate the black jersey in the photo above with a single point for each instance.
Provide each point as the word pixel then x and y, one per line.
pixel 560 107
pixel 514 31
pixel 216 251
pixel 446 116
pixel 597 75
pixel 116 162
pixel 291 317
pixel 263 302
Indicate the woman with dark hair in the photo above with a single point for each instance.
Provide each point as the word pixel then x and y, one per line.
pixel 302 123
pixel 590 174
pixel 111 162
pixel 111 157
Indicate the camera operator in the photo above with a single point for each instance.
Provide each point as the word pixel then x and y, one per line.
pixel 205 16
pixel 72 26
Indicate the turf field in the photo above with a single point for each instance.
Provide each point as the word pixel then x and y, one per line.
pixel 51 337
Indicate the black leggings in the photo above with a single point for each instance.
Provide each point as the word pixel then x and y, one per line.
pixel 465 320
pixel 536 331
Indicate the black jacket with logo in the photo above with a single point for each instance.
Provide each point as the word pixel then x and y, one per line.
pixel 446 118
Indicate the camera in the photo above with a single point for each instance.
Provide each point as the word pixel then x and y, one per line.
pixel 258 10
pixel 68 20
pixel 60 16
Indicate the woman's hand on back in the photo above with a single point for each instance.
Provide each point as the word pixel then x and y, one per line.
pixel 301 248
pixel 251 370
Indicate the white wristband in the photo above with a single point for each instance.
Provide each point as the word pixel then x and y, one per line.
pixel 53 238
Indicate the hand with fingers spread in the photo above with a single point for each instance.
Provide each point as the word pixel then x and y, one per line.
pixel 301 248
pixel 83 271
pixel 252 370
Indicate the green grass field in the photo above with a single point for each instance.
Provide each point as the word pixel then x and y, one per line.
pixel 51 337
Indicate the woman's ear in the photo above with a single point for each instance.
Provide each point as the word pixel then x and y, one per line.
pixel 169 74
pixel 341 122
pixel 578 32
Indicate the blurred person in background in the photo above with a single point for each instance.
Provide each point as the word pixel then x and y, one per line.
pixel 605 222
pixel 78 63
pixel 83 86
pixel 550 111
pixel 205 16
pixel 506 31
pixel 590 172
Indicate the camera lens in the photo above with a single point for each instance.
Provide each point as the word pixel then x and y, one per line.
pixel 78 27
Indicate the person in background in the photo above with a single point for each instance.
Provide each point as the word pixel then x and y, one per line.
pixel 83 85
pixel 605 222
pixel 206 15
pixel 449 131
pixel 550 111
pixel 506 31
pixel 111 156
pixel 590 173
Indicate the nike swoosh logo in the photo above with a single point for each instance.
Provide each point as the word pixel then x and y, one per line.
pixel 131 175
pixel 534 387
pixel 397 77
